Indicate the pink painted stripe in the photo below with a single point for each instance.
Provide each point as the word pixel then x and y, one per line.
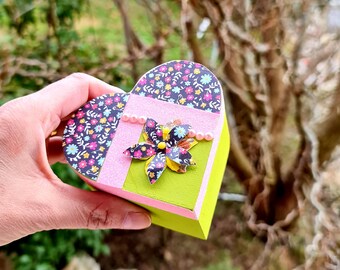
pixel 207 173
pixel 116 165
pixel 164 112
pixel 143 200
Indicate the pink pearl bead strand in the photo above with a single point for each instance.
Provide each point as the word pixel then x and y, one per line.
pixel 208 136
pixel 199 136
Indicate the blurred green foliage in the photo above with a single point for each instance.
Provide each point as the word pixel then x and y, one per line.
pixel 41 41
pixel 54 249
pixel 45 32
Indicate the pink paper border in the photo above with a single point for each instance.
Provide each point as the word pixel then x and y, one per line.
pixel 144 200
pixel 118 165
pixel 210 164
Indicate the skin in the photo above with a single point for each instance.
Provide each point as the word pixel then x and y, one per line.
pixel 32 197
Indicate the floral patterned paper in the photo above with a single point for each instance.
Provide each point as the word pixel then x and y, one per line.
pixel 165 146
pixel 88 134
pixel 182 82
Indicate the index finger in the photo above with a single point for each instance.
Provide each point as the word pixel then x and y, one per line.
pixel 61 98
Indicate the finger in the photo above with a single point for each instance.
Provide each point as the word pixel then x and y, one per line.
pixel 61 98
pixel 59 131
pixel 75 208
pixel 54 150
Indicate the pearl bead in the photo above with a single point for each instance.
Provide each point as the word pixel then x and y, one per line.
pixel 142 120
pixel 192 133
pixel 133 119
pixel 199 136
pixel 208 136
pixel 125 117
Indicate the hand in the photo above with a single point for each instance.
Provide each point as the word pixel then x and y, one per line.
pixel 32 198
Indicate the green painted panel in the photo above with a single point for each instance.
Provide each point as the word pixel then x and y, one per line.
pixel 174 188
pixel 175 222
pixel 216 177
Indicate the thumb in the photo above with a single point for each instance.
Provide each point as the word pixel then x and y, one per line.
pixel 73 208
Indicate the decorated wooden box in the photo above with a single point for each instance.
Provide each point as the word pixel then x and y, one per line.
pixel 163 146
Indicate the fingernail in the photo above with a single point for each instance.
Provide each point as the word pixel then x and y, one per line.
pixel 135 221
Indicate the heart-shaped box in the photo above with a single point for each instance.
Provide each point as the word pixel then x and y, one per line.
pixel 101 133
